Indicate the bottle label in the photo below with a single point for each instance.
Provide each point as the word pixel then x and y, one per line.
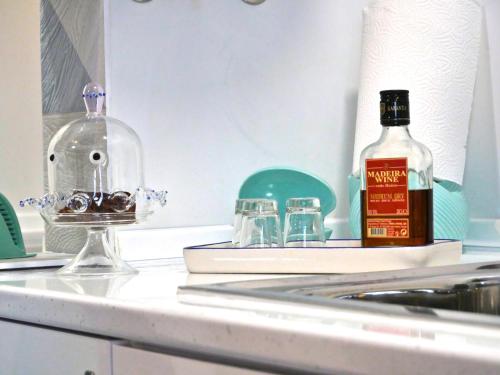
pixel 388 228
pixel 387 187
pixel 387 195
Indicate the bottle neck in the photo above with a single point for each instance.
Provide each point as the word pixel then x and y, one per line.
pixel 395 133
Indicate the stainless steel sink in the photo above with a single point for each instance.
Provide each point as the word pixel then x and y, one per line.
pixel 463 289
pixel 475 292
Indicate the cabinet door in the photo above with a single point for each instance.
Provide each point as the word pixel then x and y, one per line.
pixel 133 361
pixel 27 349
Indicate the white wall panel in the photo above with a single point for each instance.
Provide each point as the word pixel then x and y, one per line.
pixel 482 179
pixel 219 89
pixel 21 109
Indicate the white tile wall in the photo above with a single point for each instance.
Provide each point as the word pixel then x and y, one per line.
pixel 482 179
pixel 219 89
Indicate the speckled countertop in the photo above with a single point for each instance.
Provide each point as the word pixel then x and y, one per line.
pixel 146 309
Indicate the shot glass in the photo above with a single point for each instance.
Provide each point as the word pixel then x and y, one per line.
pixel 260 224
pixel 304 223
pixel 237 219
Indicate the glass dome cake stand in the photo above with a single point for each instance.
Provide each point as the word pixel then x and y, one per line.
pixel 95 178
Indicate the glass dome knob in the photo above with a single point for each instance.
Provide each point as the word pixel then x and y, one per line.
pixel 93 96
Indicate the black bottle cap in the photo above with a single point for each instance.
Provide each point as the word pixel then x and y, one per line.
pixel 394 107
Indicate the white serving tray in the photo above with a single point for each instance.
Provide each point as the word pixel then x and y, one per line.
pixel 339 256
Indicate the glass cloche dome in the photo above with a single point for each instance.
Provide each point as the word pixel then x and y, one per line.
pixel 95 179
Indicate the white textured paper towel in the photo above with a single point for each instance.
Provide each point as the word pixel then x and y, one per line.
pixel 431 48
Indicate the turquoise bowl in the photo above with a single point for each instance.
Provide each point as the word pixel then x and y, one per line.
pixel 282 183
pixel 451 214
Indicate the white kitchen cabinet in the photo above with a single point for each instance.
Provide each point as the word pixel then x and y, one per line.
pixel 27 349
pixel 133 361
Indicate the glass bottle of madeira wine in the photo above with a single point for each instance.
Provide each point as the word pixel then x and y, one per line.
pixel 396 181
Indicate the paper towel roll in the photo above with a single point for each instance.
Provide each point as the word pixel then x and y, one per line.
pixel 430 47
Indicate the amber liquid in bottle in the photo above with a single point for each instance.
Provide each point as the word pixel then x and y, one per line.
pixel 421 228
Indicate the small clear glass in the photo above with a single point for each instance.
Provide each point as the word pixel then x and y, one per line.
pixel 238 218
pixel 260 224
pixel 304 223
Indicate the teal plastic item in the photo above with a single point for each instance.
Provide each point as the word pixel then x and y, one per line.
pixel 282 183
pixel 451 214
pixel 11 239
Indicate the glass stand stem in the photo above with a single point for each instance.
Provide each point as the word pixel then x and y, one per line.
pixel 97 257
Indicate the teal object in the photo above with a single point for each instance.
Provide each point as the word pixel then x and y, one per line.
pixel 282 183
pixel 11 239
pixel 451 213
